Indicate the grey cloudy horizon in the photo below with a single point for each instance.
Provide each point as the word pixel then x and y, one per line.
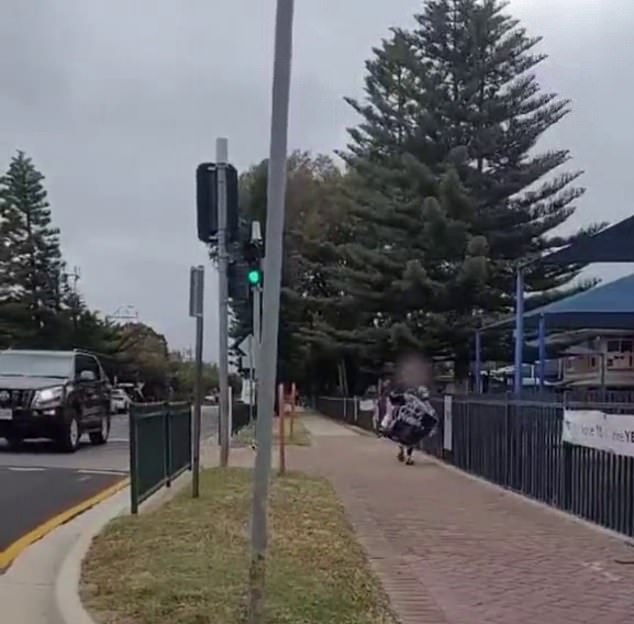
pixel 117 101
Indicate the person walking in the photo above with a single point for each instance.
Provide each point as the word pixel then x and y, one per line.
pixel 413 417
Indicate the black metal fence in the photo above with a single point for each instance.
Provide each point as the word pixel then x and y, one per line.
pixel 160 447
pixel 518 444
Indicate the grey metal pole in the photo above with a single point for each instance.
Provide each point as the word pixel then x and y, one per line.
pixel 267 360
pixel 196 309
pixel 255 346
pixel 223 330
pixel 198 407
pixel 257 330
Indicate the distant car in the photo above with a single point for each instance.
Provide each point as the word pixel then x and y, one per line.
pixel 119 401
pixel 58 395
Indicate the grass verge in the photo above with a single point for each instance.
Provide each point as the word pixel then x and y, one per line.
pixel 187 562
pixel 300 436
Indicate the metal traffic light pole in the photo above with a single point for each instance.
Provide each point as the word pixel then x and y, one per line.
pixel 223 305
pixel 267 360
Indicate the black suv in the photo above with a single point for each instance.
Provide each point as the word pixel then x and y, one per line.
pixel 53 394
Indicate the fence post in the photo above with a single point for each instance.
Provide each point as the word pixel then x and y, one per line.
pixel 292 414
pixel 345 409
pixel 281 409
pixel 167 449
pixel 356 409
pixel 134 462
pixel 566 465
pixel 508 469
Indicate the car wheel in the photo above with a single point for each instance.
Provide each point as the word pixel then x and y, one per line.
pixel 70 436
pixel 15 442
pixel 101 436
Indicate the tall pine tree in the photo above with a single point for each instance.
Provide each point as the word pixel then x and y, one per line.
pixel 448 190
pixel 31 265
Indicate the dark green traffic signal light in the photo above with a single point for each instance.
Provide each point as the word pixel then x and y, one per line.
pixel 255 277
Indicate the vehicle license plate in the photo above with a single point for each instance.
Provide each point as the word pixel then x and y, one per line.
pixel 6 414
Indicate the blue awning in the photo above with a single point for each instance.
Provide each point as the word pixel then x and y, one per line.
pixel 614 244
pixel 607 306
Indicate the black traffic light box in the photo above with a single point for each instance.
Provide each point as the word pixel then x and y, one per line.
pixel 252 254
pixel 237 281
pixel 207 202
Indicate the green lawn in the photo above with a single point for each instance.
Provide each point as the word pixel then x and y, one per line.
pixel 187 562
pixel 299 437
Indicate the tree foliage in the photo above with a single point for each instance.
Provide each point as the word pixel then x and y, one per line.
pixel 39 308
pixel 445 190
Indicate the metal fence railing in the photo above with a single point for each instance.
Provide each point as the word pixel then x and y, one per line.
pixel 160 447
pixel 518 444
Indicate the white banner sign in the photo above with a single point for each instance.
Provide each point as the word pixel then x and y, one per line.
pixel 448 423
pixel 598 430
pixel 367 405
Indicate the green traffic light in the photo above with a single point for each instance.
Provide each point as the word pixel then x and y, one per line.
pixel 254 277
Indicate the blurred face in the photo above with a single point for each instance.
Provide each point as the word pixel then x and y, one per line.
pixel 414 371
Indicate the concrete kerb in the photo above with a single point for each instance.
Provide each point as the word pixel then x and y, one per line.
pixel 68 579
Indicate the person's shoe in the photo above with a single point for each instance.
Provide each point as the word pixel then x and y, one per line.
pixel 409 462
pixel 401 455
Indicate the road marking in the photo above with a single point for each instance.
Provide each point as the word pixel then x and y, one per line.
pixel 103 472
pixel 25 469
pixel 13 551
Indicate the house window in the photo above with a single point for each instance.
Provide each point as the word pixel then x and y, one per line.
pixel 593 362
pixel 626 346
pixel 614 346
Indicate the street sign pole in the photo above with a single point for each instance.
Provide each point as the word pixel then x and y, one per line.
pixel 196 289
pixel 267 360
pixel 223 329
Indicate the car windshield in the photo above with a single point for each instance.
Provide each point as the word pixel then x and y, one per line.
pixel 35 365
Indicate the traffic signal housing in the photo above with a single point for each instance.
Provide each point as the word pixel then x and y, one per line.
pixel 207 202
pixel 252 254
pixel 237 281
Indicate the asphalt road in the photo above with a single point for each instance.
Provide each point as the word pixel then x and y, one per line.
pixel 31 496
pixel 38 482
pixel 111 456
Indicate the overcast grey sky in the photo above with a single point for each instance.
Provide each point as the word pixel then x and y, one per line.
pixel 118 100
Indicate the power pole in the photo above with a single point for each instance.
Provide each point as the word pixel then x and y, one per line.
pixel 223 329
pixel 267 360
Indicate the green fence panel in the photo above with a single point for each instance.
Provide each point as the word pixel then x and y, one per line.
pixel 180 437
pixel 160 447
pixel 148 444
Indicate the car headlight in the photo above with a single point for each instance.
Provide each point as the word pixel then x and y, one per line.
pixel 48 396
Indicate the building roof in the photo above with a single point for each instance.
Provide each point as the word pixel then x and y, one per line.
pixel 614 244
pixel 608 306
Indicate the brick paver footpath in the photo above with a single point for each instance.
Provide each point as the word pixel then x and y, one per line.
pixel 451 550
